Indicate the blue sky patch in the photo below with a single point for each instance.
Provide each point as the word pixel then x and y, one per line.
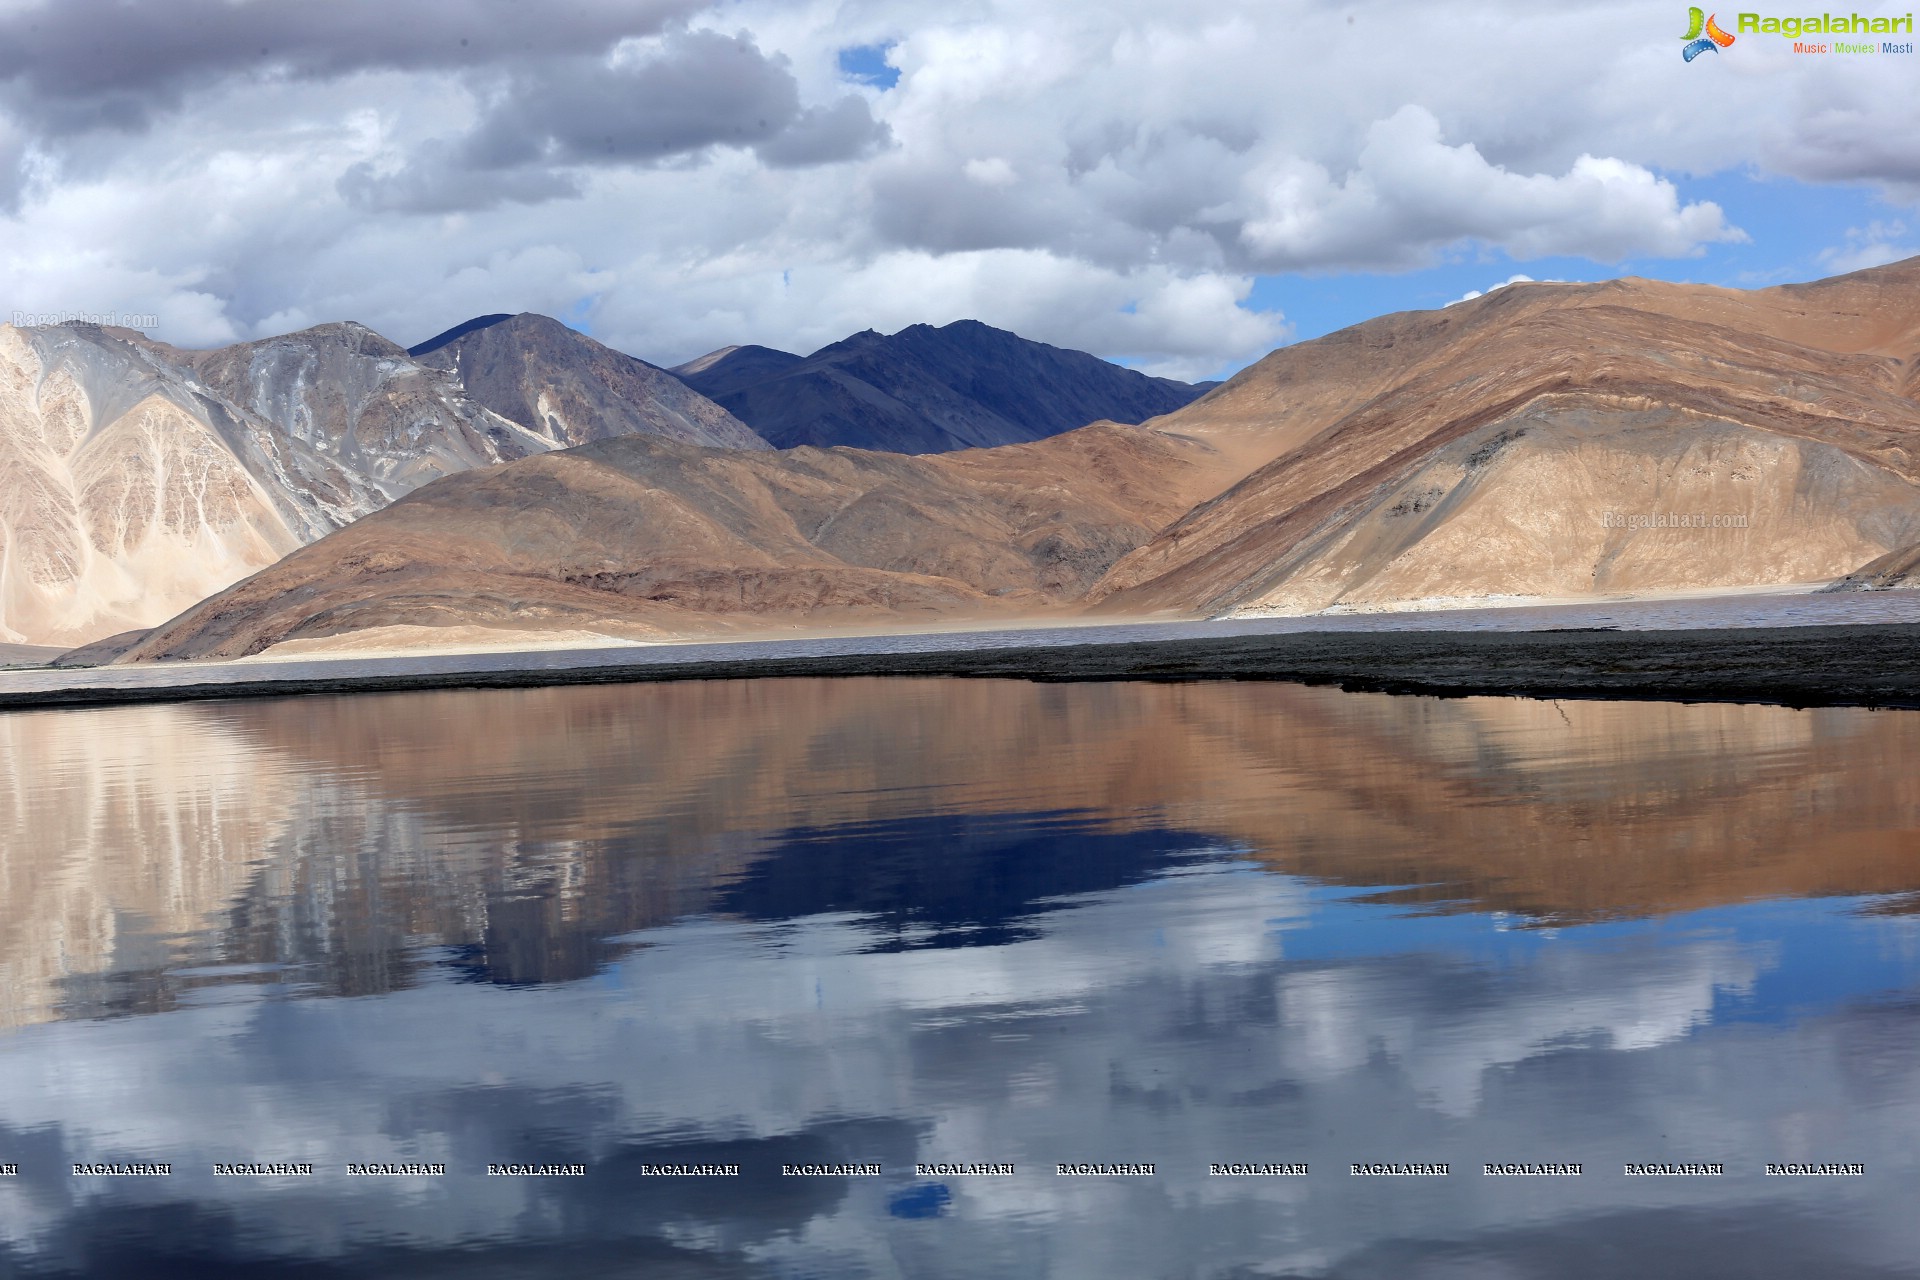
pixel 1796 231
pixel 867 63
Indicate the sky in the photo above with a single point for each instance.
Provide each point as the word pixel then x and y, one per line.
pixel 1178 186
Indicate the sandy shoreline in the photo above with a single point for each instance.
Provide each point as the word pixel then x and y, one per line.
pixel 1820 651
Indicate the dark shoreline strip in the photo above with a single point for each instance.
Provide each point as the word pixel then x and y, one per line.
pixel 1874 665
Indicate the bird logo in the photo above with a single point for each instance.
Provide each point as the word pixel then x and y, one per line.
pixel 1703 35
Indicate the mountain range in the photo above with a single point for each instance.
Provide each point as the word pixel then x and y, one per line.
pixel 644 537
pixel 1543 440
pixel 140 477
pixel 1509 446
pixel 965 385
pixel 143 478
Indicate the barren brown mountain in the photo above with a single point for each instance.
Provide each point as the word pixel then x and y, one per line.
pixel 1546 440
pixel 1509 445
pixel 638 536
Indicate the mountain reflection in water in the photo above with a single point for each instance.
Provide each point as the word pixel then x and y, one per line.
pixel 822 921
pixel 946 881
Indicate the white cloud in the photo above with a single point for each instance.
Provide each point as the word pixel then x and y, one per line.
pixel 1873 245
pixel 994 172
pixel 1471 294
pixel 1089 173
pixel 1167 323
pixel 1411 194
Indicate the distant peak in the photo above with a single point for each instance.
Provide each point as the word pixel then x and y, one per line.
pixel 347 333
pixel 967 330
pixel 700 364
pixel 458 331
pixel 329 328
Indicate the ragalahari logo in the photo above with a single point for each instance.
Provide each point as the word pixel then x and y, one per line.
pixel 1712 41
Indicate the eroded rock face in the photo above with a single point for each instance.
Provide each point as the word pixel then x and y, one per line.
pixel 141 479
pixel 358 400
pixel 1571 499
pixel 570 390
pixel 144 478
pixel 127 495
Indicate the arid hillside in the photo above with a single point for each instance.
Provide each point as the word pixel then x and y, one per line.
pixel 141 478
pixel 1547 440
pixel 1558 440
pixel 640 536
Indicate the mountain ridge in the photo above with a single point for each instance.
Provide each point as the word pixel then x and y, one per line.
pixel 1369 408
pixel 143 477
pixel 646 537
pixel 1477 452
pixel 927 389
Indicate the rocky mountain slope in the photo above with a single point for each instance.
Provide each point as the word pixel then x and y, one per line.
pixel 1560 440
pixel 141 478
pixel 561 384
pixel 1542 441
pixel 733 369
pixel 640 535
pixel 927 390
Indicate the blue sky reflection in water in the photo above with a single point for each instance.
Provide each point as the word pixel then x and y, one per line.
pixel 916 921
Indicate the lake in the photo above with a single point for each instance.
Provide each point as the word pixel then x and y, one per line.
pixel 798 978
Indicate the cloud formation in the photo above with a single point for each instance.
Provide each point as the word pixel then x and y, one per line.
pixel 691 175
pixel 543 121
pixel 1516 278
pixel 75 65
pixel 1410 194
pixel 1873 245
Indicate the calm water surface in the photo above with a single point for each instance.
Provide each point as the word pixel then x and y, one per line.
pixel 897 922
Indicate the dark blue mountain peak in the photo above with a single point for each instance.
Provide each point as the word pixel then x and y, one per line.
pixel 929 389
